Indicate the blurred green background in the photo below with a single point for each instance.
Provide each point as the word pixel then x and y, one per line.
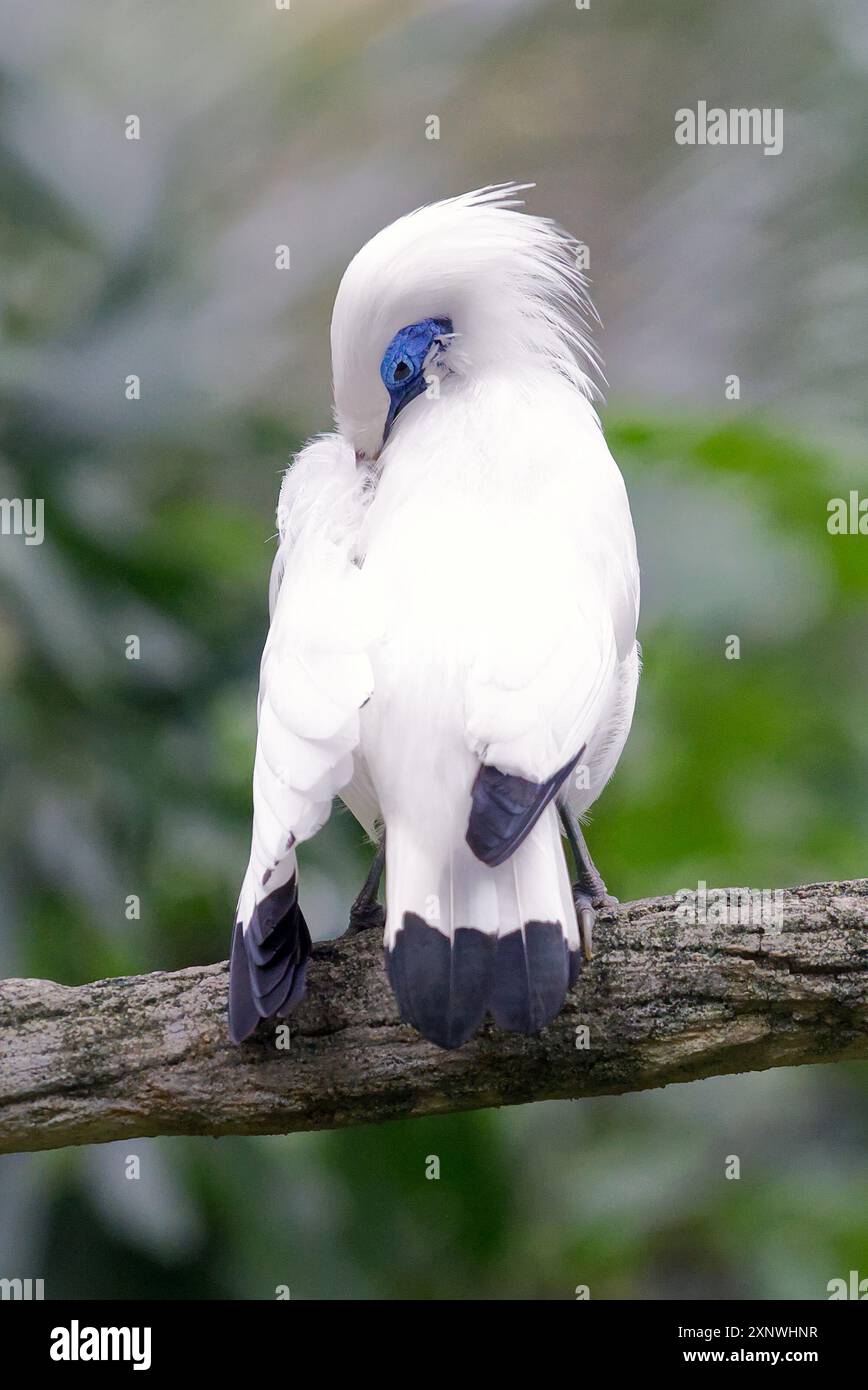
pixel 261 127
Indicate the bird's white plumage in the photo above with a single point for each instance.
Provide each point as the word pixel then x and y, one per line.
pixel 465 594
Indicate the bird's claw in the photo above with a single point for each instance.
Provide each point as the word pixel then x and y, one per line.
pixel 586 918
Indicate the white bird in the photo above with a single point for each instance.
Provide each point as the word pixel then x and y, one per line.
pixel 452 646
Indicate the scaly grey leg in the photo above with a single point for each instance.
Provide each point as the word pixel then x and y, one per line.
pixel 366 911
pixel 589 889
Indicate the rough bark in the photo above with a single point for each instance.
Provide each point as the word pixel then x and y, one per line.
pixel 663 1000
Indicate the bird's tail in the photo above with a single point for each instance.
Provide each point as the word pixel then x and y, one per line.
pixel 463 938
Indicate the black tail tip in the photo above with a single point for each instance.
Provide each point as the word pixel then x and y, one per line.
pixel 532 976
pixel 444 989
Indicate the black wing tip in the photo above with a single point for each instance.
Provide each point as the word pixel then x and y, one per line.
pixel 268 964
pixel 243 1015
pixel 505 808
pixel 488 850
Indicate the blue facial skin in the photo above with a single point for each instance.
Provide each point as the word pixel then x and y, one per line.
pixel 402 367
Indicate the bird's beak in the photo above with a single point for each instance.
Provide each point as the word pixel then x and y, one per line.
pixel 394 407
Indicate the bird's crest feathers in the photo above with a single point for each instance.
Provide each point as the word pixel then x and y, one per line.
pixel 509 281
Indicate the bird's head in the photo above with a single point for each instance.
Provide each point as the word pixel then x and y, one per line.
pixel 453 291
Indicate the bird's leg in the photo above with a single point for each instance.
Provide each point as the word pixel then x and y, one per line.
pixel 589 890
pixel 366 911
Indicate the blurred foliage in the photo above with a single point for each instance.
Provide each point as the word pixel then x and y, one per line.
pixel 132 777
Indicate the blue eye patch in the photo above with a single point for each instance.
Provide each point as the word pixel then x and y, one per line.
pixel 401 369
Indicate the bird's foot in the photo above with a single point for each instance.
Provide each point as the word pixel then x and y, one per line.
pixel 604 902
pixel 587 906
pixel 365 914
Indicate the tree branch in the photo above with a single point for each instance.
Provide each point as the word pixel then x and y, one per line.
pixel 663 1000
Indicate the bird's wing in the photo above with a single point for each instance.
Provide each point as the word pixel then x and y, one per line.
pixel 314 677
pixel 542 680
pixel 316 672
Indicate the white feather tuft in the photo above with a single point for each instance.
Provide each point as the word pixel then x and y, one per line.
pixel 509 281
